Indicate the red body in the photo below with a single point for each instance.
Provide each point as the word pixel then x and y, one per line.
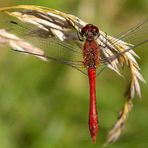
pixel 93 115
pixel 91 53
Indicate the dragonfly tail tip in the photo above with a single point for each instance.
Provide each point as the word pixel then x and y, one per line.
pixel 94 139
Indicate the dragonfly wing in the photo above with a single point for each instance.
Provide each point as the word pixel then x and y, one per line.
pixel 132 38
pixel 135 33
pixel 47 34
pixel 115 46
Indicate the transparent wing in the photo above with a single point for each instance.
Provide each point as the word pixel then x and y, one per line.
pixel 113 48
pixel 135 34
pixel 130 39
pixel 56 40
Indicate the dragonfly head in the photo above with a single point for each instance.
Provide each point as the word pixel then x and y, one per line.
pixel 89 32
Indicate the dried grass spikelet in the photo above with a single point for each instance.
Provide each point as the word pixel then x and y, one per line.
pixel 134 88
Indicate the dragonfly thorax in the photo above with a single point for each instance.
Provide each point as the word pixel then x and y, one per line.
pixel 91 52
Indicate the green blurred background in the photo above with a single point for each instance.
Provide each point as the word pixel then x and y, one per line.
pixel 45 105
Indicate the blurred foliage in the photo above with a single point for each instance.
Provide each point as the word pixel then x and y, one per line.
pixel 45 105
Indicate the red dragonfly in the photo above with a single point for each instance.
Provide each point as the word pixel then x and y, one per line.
pixel 69 40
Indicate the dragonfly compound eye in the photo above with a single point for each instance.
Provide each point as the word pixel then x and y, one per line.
pixel 89 31
pixel 95 30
